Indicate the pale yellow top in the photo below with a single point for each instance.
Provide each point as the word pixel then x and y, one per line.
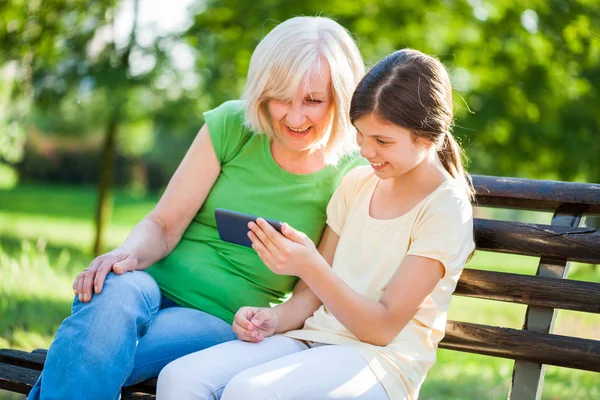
pixel 369 252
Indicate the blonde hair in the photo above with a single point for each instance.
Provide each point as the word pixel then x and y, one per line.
pixel 279 65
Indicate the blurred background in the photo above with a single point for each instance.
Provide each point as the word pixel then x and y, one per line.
pixel 100 99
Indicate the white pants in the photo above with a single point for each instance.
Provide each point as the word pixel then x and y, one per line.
pixel 278 368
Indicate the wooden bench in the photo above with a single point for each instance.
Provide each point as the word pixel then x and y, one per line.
pixel 534 346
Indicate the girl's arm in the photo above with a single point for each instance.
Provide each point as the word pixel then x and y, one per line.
pixel 253 324
pixel 158 233
pixel 378 321
pixel 304 302
pixel 373 321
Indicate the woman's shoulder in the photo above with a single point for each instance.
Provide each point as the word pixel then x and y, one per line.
pixel 232 110
pixel 226 126
pixel 351 160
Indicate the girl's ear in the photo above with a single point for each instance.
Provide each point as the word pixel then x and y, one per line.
pixel 421 142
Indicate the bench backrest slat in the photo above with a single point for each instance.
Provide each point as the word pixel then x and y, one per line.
pixel 531 290
pixel 543 195
pixel 519 344
pixel 559 242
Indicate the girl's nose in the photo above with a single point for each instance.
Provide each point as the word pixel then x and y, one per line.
pixel 366 151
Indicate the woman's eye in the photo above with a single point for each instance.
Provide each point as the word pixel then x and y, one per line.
pixel 314 101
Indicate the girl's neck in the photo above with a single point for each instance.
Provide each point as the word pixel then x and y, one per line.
pixel 424 178
pixel 418 182
pixel 397 196
pixel 297 162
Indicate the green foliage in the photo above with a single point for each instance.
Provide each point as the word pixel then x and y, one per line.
pixel 12 113
pixel 34 296
pixel 525 73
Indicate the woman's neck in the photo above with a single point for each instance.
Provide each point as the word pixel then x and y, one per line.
pixel 297 162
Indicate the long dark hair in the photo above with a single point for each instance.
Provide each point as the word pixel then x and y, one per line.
pixel 413 90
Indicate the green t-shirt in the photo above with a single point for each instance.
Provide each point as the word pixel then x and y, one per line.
pixel 206 273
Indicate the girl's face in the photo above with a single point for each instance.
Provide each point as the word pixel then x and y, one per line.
pixel 391 149
pixel 299 124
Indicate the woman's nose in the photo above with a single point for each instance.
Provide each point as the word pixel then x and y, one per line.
pixel 296 116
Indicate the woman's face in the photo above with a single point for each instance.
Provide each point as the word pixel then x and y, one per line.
pixel 301 123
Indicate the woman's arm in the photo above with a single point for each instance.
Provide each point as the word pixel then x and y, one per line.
pixel 414 280
pixel 159 232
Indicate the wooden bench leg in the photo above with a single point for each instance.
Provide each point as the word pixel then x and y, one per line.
pixel 528 377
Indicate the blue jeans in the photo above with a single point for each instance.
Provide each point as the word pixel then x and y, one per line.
pixel 123 336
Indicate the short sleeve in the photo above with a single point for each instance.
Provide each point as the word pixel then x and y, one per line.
pixel 445 233
pixel 226 128
pixel 340 201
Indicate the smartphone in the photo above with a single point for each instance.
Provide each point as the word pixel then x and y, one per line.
pixel 233 226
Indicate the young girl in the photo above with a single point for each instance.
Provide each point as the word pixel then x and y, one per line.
pixel 398 235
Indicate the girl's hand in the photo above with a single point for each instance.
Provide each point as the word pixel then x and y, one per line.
pixel 254 324
pixel 292 253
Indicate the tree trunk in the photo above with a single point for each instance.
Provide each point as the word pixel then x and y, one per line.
pixel 105 201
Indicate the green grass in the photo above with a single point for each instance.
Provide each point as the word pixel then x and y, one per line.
pixel 45 239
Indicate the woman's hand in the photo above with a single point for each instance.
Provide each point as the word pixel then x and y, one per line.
pixel 292 253
pixel 254 324
pixel 119 261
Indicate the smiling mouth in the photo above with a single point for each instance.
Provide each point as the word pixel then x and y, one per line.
pixel 379 166
pixel 298 130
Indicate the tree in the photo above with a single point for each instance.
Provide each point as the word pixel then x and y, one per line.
pixel 81 77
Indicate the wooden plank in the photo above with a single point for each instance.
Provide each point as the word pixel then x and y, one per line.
pixel 528 377
pixel 148 386
pixel 23 358
pixel 136 396
pixel 531 290
pixel 35 361
pixel 17 379
pixel 556 242
pixel 533 194
pixel 516 344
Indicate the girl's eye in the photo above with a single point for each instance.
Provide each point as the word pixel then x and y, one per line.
pixel 314 101
pixel 380 141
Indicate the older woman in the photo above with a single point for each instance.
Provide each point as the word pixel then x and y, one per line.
pixel 278 153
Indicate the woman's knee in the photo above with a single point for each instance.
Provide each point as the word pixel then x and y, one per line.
pixel 138 281
pixel 121 290
pixel 131 296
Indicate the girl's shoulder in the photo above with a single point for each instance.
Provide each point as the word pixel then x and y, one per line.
pixel 354 182
pixel 359 177
pixel 450 198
